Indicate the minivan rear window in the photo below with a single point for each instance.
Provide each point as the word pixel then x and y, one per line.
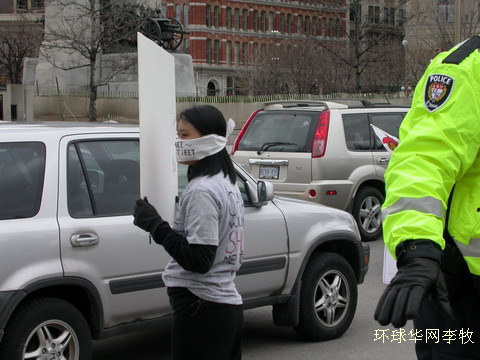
pixel 277 131
pixel 22 169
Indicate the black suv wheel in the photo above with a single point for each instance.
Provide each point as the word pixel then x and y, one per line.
pixel 328 298
pixel 47 328
pixel 367 212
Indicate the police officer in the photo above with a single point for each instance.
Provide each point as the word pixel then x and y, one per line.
pixel 432 211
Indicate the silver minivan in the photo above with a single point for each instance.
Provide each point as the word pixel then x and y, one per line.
pixel 322 151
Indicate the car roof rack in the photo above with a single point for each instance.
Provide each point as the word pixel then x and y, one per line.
pixel 366 103
pixel 285 104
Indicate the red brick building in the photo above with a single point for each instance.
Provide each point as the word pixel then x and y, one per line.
pixel 228 34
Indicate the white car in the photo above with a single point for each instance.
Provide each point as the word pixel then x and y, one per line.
pixel 74 267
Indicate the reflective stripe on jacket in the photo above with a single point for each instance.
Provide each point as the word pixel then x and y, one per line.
pixel 439 147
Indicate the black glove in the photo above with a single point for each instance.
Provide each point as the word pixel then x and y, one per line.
pixel 146 216
pixel 418 276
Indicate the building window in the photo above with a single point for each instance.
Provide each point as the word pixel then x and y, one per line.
pixel 178 12
pixel 255 20
pixel 207 15
pixel 245 19
pixel 282 23
pixel 22 5
pixel 307 25
pixel 289 24
pixel 300 24
pixel 236 53
pixel 228 18
pixel 330 28
pixel 185 15
pixel 374 14
pixel 391 17
pixel 228 54
pixel 215 16
pixel 208 50
pixel 263 20
pixel 401 16
pixel 355 12
pixel 38 4
pixel 245 53
pixel 236 19
pixel 216 52
pixel 446 11
pixel 271 16
pixel 314 26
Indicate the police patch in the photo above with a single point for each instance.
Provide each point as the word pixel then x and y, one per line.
pixel 437 91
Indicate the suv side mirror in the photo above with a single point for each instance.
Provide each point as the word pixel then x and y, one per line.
pixel 263 194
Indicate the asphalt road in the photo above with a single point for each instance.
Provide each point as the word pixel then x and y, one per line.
pixel 364 340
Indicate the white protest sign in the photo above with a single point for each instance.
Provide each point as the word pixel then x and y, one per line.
pixel 389 266
pixel 157 113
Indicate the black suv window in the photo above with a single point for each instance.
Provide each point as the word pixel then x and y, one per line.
pixel 22 169
pixel 280 131
pixel 103 177
pixel 359 134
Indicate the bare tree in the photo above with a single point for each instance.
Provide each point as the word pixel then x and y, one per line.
pixel 370 32
pixel 301 62
pixel 78 32
pixel 432 31
pixel 18 40
pixel 262 73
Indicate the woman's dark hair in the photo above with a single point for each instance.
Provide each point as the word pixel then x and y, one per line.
pixel 208 120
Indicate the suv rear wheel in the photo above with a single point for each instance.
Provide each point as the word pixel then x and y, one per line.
pixel 366 210
pixel 47 328
pixel 328 298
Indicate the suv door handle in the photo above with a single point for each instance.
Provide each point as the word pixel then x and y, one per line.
pixel 383 161
pixel 83 240
pixel 267 162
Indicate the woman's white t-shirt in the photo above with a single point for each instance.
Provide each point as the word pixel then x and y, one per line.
pixel 210 212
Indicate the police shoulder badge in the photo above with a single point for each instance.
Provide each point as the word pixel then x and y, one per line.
pixel 437 91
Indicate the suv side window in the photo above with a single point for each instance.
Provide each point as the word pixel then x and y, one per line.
pixel 103 177
pixel 388 122
pixel 22 170
pixel 357 132
pixel 243 190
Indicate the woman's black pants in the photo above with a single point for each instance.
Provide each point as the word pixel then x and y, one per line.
pixel 204 330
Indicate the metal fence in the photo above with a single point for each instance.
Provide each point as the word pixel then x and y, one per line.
pixel 71 104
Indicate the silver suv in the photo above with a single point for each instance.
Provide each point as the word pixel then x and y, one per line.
pixel 74 267
pixel 324 152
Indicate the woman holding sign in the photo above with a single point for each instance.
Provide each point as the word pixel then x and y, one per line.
pixel 206 241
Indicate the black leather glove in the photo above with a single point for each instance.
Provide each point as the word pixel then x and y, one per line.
pixel 146 216
pixel 418 276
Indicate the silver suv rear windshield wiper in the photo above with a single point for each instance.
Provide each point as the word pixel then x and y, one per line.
pixel 265 146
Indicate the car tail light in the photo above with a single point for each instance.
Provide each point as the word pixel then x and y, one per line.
pixel 244 128
pixel 319 144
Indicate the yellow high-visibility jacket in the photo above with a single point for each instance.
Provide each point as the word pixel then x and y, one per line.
pixel 439 148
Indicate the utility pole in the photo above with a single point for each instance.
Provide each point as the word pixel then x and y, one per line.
pixel 457 23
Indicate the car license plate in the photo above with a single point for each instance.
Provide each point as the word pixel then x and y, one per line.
pixel 269 172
